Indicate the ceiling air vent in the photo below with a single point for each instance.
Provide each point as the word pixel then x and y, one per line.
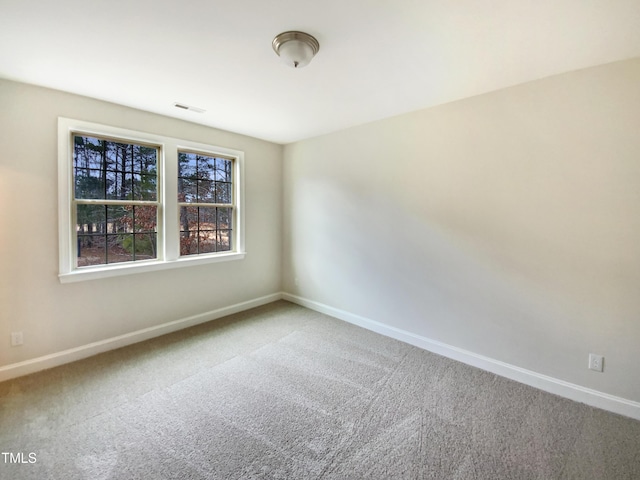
pixel 189 107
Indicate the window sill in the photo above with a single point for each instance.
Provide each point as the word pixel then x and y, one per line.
pixel 130 268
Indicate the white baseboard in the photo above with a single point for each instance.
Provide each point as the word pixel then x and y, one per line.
pixel 55 359
pixel 565 389
pixel 568 390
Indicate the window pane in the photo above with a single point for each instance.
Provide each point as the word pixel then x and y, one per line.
pixel 125 156
pixel 223 240
pixel 206 242
pixel 119 248
pixel 223 192
pixel 187 190
pixel 90 219
pixel 224 225
pixel 188 243
pixel 88 183
pixel 144 160
pixel 224 218
pixel 207 217
pixel 91 228
pixel 142 221
pixel 186 165
pixel 119 219
pixel 109 154
pixel 145 187
pixel 119 185
pixel 145 248
pixel 88 152
pixel 223 170
pixel 206 193
pixel 206 167
pixel 91 250
pixel 113 187
pixel 145 218
pixel 188 219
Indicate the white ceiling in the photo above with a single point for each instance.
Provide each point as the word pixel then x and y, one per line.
pixel 377 58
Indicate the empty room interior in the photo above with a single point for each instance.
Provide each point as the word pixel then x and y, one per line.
pixel 320 240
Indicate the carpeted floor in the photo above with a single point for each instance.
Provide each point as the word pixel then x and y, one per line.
pixel 285 392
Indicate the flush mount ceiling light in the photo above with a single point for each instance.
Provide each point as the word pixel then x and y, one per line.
pixel 296 49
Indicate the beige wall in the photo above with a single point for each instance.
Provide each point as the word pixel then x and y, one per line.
pixel 506 224
pixel 56 317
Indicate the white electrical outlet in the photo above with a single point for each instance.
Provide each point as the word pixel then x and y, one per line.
pixel 596 362
pixel 16 339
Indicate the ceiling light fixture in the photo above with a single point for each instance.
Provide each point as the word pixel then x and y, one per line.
pixel 296 49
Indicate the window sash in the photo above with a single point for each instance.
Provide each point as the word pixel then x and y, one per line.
pixel 134 235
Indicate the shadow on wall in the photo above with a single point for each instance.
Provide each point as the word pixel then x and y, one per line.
pixel 391 265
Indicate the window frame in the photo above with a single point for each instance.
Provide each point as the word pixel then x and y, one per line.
pixel 168 234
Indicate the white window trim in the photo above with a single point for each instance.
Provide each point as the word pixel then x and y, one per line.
pixel 168 221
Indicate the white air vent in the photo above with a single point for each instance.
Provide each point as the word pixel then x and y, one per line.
pixel 189 107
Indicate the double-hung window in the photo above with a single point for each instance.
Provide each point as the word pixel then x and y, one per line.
pixel 133 202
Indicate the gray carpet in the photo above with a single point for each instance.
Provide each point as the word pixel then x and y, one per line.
pixel 284 392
